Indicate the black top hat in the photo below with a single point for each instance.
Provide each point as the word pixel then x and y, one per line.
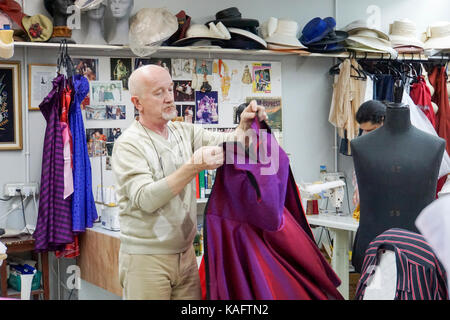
pixel 231 17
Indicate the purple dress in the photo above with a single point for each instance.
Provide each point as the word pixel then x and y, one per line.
pixel 84 212
pixel 54 222
pixel 258 244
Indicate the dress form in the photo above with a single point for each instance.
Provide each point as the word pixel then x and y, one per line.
pixel 397 168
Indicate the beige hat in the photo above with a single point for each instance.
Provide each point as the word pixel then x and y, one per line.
pixel 6 44
pixel 199 34
pixel 281 32
pixel 38 27
pixel 368 40
pixel 362 25
pixel 437 36
pixel 404 33
pixel 149 28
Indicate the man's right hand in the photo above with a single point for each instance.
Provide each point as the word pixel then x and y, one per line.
pixel 207 158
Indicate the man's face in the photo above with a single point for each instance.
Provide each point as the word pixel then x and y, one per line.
pixel 369 126
pixel 156 101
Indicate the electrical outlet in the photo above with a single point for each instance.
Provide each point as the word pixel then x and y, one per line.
pixel 26 189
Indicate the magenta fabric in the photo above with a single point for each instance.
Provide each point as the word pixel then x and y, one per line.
pixel 258 244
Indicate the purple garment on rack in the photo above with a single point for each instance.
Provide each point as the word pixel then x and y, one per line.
pixel 54 222
pixel 84 212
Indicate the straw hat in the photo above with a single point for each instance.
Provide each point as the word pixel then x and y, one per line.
pixel 437 36
pixel 403 33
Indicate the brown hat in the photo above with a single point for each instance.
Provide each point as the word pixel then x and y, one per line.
pixel 38 27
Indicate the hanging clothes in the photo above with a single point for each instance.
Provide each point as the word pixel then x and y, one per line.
pixel 84 212
pixel 438 79
pixel 54 222
pixel 348 94
pixel 420 275
pixel 384 88
pixel 421 95
pixel 258 244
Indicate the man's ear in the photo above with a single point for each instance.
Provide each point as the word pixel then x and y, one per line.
pixel 136 102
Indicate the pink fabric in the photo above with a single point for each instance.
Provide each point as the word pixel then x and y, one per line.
pixel 68 176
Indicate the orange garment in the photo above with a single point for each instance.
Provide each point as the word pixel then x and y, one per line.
pixel 438 79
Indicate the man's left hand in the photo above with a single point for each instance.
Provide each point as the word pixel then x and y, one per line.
pixel 249 113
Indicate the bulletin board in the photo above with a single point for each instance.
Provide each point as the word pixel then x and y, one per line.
pixel 206 92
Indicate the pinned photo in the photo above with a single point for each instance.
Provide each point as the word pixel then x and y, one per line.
pixel 273 108
pixel 121 70
pixel 261 78
pixel 105 92
pixel 207 107
pixel 183 91
pixel 182 68
pixel 165 63
pixel 95 112
pixel 86 67
pixel 186 113
pixel 116 112
pixel 96 142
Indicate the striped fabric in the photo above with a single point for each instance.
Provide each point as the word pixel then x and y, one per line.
pixel 54 222
pixel 420 275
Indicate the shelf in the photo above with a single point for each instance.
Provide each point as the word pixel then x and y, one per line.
pixel 171 51
pixel 16 294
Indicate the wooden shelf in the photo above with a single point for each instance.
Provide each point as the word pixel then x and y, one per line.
pixel 16 294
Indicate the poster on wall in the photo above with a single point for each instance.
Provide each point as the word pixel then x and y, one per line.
pixel 40 83
pixel 162 62
pixel 87 67
pixel 183 91
pixel 186 112
pixel 105 92
pixel 10 106
pixel 273 110
pixel 182 68
pixel 121 69
pixel 105 112
pixel 207 107
pixel 262 78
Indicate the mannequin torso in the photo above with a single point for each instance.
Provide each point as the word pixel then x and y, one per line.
pixel 397 168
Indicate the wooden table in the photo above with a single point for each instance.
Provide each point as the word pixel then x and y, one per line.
pixel 24 244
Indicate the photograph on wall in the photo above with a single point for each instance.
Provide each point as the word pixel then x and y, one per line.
pixel 207 107
pixel 94 112
pixel 116 112
pixel 87 67
pixel 183 91
pixel 273 110
pixel 121 69
pixel 182 68
pixel 40 83
pixel 112 134
pixel 246 76
pixel 204 66
pixel 186 112
pixel 136 114
pixel 162 62
pixel 96 142
pixel 10 106
pixel 261 77
pixel 179 116
pixel 105 92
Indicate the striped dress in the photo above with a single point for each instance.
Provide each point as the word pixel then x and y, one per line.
pixel 420 275
pixel 54 222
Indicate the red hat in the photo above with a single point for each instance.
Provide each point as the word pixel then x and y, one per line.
pixel 13 10
pixel 184 21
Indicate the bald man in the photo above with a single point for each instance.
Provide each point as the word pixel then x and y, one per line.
pixel 155 162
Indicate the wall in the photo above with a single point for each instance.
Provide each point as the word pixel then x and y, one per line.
pixel 308 136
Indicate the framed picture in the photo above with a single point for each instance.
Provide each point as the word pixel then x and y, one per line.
pixel 40 77
pixel 10 106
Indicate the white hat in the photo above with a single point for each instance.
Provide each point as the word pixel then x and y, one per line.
pixel 86 5
pixel 404 33
pixel 367 40
pixel 199 34
pixel 249 35
pixel 149 28
pixel 359 25
pixel 281 32
pixel 437 36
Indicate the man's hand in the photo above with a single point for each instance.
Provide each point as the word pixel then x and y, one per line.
pixel 250 113
pixel 207 158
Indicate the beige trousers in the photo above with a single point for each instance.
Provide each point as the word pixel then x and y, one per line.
pixel 160 277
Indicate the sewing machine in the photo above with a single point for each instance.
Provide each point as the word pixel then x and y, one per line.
pixel 331 187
